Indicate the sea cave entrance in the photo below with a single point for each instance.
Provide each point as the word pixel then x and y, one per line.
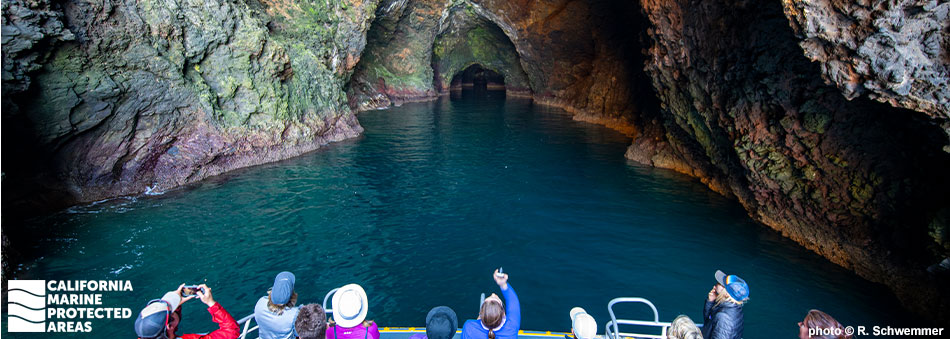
pixel 472 52
pixel 478 78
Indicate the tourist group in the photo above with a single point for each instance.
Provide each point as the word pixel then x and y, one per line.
pixel 279 317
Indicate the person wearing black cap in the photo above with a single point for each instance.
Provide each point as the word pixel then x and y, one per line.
pixel 160 317
pixel 441 323
pixel 275 313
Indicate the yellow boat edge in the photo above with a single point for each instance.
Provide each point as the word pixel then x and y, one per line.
pixel 548 334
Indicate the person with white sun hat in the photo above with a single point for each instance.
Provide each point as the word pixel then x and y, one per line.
pixel 350 306
pixel 583 326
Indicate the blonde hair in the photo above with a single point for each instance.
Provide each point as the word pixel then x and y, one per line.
pixel 724 297
pixel 683 328
pixel 279 308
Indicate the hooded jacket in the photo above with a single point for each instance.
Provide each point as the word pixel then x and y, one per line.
pixel 723 321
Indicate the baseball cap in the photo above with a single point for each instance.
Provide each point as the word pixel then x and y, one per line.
pixel 151 321
pixel 283 288
pixel 735 286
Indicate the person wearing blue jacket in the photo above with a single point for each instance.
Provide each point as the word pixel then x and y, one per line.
pixel 495 319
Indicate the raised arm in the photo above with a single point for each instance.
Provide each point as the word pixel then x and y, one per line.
pixel 227 327
pixel 512 305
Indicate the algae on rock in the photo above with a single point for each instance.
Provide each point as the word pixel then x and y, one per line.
pixel 121 95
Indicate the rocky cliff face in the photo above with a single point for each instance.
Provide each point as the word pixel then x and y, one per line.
pixel 741 108
pixel 116 97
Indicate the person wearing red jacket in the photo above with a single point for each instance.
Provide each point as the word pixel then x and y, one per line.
pixel 160 317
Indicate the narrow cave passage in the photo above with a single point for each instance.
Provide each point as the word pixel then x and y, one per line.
pixel 473 52
pixel 477 78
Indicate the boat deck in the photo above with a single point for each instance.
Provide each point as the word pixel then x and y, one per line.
pixel 406 332
pixel 611 329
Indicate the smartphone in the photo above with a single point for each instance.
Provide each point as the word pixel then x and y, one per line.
pixel 190 290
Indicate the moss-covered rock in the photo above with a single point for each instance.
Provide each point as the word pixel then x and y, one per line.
pixel 104 100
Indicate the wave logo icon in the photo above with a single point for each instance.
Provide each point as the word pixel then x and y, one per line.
pixel 26 306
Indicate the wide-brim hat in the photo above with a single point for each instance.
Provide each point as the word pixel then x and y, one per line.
pixel 350 305
pixel 735 286
pixel 441 323
pixel 583 325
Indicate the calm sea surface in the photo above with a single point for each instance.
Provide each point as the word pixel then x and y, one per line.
pixel 432 198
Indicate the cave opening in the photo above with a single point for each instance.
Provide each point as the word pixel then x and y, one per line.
pixel 472 52
pixel 477 78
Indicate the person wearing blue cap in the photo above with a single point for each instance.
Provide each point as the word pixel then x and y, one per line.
pixel 276 312
pixel 723 309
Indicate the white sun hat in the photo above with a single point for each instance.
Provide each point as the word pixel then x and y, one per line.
pixel 583 325
pixel 350 305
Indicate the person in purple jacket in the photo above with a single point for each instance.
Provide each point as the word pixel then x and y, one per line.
pixel 495 320
pixel 350 306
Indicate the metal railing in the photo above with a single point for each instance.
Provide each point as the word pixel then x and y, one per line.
pixel 246 322
pixel 612 330
pixel 327 297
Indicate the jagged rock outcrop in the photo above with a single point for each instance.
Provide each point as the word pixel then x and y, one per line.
pixel 897 52
pixel 741 107
pixel 111 98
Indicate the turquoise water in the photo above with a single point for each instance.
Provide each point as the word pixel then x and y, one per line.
pixel 433 197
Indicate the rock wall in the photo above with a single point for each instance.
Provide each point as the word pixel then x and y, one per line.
pixel 744 110
pixel 583 56
pixel 397 63
pixel 116 97
pixel 897 52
